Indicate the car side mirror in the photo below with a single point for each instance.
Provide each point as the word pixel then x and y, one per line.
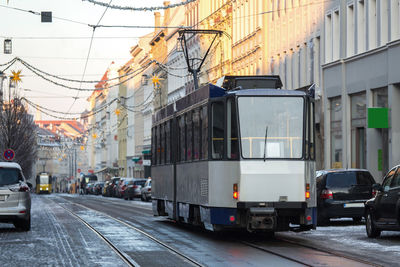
pixel 30 185
pixel 377 187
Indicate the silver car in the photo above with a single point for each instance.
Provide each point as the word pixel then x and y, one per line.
pixel 15 199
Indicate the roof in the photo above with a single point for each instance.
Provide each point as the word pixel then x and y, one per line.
pixel 342 170
pixel 10 165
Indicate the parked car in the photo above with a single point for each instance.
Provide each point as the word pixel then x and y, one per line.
pixel 134 188
pixel 104 189
pixel 110 190
pixel 146 190
pixel 342 193
pixel 98 188
pixel 89 188
pixel 15 199
pixel 383 211
pixel 122 186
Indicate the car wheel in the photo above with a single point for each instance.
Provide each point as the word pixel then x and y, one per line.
pixel 24 225
pixel 372 230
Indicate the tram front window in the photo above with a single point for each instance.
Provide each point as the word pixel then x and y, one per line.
pixel 282 116
pixel 44 179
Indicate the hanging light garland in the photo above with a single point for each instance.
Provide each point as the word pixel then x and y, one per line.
pixel 139 8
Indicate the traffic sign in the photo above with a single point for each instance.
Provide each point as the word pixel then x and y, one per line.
pixel 9 154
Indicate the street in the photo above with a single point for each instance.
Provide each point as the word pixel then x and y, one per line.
pixel 60 237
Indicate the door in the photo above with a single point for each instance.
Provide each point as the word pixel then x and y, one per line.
pixel 392 197
pixel 386 197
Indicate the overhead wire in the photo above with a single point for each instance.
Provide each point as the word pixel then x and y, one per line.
pixel 140 8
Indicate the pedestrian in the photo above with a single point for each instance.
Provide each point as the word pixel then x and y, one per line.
pixel 83 184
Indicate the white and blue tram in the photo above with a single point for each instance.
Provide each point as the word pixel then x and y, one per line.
pixel 237 156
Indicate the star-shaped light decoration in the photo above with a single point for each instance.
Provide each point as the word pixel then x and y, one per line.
pixel 117 112
pixel 155 80
pixel 16 77
pixel 94 136
pixel 82 148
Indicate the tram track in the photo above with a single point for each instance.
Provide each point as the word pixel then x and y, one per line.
pixel 301 259
pixel 269 248
pixel 128 260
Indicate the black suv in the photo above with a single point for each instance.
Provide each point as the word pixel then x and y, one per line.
pixel 342 193
pixel 383 211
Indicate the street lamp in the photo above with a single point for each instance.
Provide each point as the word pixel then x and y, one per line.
pixel 7 46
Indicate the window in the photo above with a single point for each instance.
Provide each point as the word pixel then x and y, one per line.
pixel 182 138
pixel 189 136
pixel 328 38
pixel 336 36
pixel 10 176
pixel 388 180
pixel 394 19
pixel 350 31
pixel 361 25
pixel 311 132
pixel 358 132
pixel 162 144
pixel 168 142
pixel 372 24
pixel 384 22
pixel 159 144
pixel 204 132
pixel 364 178
pixel 218 126
pixel 396 180
pixel 232 131
pixel 196 135
pixel 336 133
pixel 277 133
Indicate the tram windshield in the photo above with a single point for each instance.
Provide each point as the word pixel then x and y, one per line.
pixel 271 127
pixel 44 179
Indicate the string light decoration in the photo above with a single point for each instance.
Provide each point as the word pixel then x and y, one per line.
pixel 139 8
pixel 16 76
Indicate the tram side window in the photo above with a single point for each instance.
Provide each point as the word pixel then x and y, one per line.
pixel 182 138
pixel 232 130
pixel 168 142
pixel 217 130
pixel 196 135
pixel 162 144
pixel 204 133
pixel 158 145
pixel 189 136
pixel 312 132
pixel 154 146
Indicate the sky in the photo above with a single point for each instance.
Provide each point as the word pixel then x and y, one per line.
pixel 62 47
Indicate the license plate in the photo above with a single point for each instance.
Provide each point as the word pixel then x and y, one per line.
pixel 354 205
pixel 2 197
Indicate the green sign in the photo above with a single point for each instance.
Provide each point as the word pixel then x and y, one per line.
pixel 380 160
pixel 378 118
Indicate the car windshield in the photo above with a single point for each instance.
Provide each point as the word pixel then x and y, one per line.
pixel 271 127
pixel 141 183
pixel 8 176
pixel 341 180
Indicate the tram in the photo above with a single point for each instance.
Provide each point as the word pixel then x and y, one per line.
pixel 43 183
pixel 237 155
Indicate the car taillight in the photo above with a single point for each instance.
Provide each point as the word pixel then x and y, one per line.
pixel 235 191
pixel 374 192
pixel 326 194
pixel 135 186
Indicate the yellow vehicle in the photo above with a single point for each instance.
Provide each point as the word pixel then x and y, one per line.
pixel 43 183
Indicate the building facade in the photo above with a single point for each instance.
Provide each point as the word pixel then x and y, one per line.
pixel 361 84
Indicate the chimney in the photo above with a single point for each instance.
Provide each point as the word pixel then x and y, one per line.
pixel 166 12
pixel 157 21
